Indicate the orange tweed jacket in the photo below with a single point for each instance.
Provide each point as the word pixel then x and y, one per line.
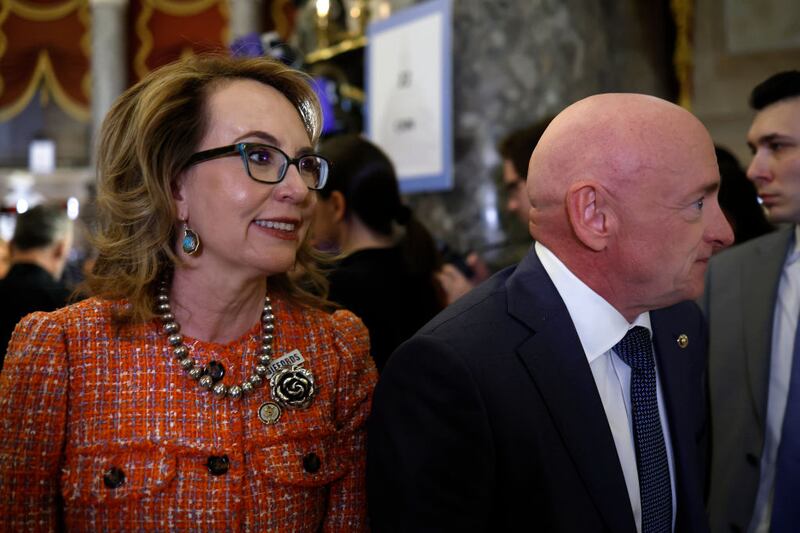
pixel 80 395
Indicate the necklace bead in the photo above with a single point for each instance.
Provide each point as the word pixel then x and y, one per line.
pixel 209 377
pixel 175 339
pixel 180 351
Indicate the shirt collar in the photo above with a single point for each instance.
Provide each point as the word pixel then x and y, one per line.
pixel 794 255
pixel 599 325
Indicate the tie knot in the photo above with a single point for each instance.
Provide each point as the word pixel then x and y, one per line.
pixel 635 348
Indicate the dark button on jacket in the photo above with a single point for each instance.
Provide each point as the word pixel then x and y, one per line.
pixel 113 477
pixel 311 463
pixel 218 465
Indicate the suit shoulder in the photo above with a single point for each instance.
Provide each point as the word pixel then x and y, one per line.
pixel 473 310
pixel 78 315
pixel 774 242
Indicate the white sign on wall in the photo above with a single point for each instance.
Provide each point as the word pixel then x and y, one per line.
pixel 409 94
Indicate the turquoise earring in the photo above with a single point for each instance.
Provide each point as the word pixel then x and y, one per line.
pixel 191 241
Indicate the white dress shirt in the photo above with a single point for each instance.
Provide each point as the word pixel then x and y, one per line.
pixel 600 327
pixel 787 312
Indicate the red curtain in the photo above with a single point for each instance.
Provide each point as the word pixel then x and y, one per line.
pixel 44 44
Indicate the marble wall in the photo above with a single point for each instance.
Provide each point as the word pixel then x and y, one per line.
pixel 516 61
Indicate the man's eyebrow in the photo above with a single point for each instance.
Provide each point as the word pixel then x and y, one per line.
pixel 768 138
pixel 711 187
pixel 707 188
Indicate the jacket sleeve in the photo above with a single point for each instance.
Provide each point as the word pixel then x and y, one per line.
pixel 430 456
pixel 347 505
pixel 33 400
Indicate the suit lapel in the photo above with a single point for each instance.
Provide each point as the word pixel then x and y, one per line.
pixel 761 274
pixel 674 368
pixel 558 367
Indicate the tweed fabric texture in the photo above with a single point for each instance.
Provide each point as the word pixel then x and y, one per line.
pixel 636 350
pixel 81 394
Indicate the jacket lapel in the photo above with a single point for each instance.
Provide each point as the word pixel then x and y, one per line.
pixel 761 275
pixel 558 367
pixel 674 368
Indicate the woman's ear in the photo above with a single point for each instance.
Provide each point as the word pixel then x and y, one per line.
pixel 338 206
pixel 178 188
pixel 589 214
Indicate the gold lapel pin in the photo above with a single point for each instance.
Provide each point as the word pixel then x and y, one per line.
pixel 683 340
pixel 269 413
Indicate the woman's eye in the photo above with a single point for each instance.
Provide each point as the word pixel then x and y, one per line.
pixel 309 164
pixel 261 157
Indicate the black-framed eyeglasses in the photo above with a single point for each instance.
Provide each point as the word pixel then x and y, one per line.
pixel 269 164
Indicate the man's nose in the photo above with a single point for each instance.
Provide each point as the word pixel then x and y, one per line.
pixel 759 166
pixel 719 231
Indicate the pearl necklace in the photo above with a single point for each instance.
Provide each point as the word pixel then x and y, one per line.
pixel 210 376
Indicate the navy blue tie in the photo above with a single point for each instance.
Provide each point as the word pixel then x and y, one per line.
pixel 655 490
pixel 786 501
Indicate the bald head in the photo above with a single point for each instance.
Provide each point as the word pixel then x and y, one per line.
pixel 608 170
pixel 609 138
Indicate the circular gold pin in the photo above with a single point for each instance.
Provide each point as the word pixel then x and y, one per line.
pixel 683 340
pixel 269 413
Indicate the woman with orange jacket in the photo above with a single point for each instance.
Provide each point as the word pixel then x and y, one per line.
pixel 201 387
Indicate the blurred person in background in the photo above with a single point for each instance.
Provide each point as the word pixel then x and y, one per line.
pixel 515 149
pixel 199 388
pixel 39 250
pixel 5 258
pixel 386 273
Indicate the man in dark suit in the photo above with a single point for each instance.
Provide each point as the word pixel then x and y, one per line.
pixel 535 403
pixel 39 251
pixel 752 302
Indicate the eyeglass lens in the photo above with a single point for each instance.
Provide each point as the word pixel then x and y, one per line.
pixel 269 165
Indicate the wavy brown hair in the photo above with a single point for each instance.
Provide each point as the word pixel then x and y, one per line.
pixel 146 140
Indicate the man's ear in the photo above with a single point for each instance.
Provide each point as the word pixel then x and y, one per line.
pixel 589 214
pixel 61 249
pixel 338 205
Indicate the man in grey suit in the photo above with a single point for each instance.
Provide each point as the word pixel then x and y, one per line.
pixel 752 302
